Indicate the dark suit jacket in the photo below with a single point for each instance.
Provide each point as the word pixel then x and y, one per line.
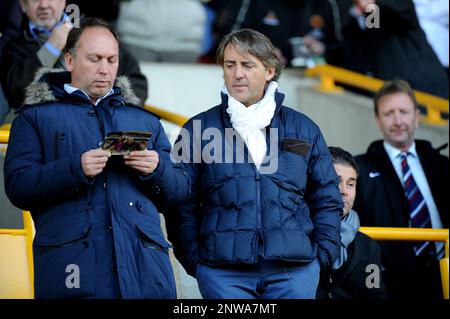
pixel 349 281
pixel 380 201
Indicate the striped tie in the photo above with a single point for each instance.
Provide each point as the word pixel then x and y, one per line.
pixel 418 210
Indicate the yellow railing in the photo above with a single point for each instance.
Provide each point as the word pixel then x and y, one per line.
pixel 416 234
pixel 167 115
pixel 330 74
pixel 28 232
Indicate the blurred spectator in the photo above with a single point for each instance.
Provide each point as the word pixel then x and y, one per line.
pixel 43 36
pixel 397 48
pixel 433 18
pixel 10 18
pixel 308 24
pixel 403 182
pixel 161 30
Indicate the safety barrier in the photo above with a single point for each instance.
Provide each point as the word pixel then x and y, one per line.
pixel 416 234
pixel 16 268
pixel 167 115
pixel 329 75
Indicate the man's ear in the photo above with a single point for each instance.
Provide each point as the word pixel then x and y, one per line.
pixel 68 59
pixel 377 120
pixel 270 73
pixel 416 122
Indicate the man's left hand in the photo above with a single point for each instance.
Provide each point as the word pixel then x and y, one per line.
pixel 143 161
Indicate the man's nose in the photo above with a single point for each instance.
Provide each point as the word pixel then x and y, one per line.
pixel 238 72
pixel 103 66
pixel 343 190
pixel 397 118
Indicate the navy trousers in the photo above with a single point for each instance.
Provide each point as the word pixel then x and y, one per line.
pixel 267 279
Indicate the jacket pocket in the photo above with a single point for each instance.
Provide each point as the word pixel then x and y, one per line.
pixel 58 142
pixel 64 259
pixel 295 146
pixel 156 277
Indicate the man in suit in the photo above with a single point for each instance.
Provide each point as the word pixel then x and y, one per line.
pixel 388 196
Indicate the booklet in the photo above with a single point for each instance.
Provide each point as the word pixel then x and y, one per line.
pixel 122 143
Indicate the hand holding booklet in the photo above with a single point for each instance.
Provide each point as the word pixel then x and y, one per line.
pixel 122 143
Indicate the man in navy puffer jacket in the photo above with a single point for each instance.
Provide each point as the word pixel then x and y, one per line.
pixel 98 231
pixel 264 212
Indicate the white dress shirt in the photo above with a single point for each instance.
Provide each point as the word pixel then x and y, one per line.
pixel 420 179
pixel 70 89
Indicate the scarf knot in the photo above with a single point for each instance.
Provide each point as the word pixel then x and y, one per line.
pixel 250 121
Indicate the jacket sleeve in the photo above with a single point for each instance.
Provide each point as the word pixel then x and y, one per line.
pixel 183 226
pixel 168 184
pixel 183 222
pixel 17 72
pixel 129 66
pixel 324 201
pixel 30 183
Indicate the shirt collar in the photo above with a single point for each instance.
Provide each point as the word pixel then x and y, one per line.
pixel 70 89
pixel 35 30
pixel 394 152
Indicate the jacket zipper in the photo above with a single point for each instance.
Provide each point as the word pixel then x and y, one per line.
pixel 258 212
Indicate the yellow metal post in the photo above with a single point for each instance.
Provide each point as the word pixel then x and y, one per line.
pixel 444 276
pixel 28 226
pixel 327 85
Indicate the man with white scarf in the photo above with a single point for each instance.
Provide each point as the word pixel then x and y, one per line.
pixel 247 231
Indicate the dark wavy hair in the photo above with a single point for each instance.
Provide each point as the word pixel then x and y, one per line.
pixel 253 42
pixel 341 156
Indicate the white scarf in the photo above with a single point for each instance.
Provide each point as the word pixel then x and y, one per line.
pixel 249 121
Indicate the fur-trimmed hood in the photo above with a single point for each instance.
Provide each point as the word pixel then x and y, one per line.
pixel 48 81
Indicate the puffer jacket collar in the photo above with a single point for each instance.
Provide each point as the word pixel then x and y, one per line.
pixel 48 86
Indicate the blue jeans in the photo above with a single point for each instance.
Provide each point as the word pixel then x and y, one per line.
pixel 268 279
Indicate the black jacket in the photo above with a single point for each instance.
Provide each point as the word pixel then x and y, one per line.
pixel 10 17
pixel 349 281
pixel 397 49
pixel 380 201
pixel 281 20
pixel 20 62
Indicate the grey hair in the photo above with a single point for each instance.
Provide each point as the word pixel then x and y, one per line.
pixel 254 43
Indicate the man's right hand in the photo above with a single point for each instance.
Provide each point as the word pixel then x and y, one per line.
pixel 94 161
pixel 58 38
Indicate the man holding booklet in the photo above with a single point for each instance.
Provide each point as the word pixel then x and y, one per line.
pixel 95 210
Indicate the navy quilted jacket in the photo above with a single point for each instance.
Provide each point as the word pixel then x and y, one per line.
pixel 107 226
pixel 237 213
